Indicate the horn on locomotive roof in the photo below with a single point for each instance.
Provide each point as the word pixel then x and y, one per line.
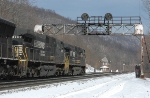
pixel 39 29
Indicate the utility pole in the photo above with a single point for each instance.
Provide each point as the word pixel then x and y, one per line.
pixel 123 67
pixel 139 31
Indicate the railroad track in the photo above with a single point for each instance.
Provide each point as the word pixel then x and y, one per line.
pixel 5 86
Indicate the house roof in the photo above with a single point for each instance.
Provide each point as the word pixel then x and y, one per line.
pixel 105 60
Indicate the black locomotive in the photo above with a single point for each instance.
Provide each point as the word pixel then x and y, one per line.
pixel 24 53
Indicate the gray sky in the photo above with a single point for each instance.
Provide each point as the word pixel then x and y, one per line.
pixel 74 8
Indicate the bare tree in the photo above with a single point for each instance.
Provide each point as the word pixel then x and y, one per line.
pixel 146 4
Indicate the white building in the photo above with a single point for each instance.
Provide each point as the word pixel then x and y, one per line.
pixel 104 69
pixel 104 65
pixel 105 61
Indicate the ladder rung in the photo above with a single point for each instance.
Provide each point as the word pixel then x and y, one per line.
pixel 23 60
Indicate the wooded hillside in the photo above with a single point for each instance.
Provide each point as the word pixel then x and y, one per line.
pixel 118 49
pixel 26 16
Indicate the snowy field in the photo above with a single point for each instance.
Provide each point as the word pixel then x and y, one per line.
pixel 119 86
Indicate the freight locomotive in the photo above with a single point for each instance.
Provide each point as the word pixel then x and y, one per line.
pixel 24 53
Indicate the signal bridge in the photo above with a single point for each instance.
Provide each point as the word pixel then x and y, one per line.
pixel 99 25
pixel 95 25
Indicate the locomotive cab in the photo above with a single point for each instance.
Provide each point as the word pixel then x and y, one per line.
pixel 6 61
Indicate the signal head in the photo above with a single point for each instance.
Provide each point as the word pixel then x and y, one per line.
pixel 85 16
pixel 108 16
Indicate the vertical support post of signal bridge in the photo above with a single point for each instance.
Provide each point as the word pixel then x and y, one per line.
pixel 142 56
pixel 139 31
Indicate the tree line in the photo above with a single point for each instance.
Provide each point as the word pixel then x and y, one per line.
pixel 25 15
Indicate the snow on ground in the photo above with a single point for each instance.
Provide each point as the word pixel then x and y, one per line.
pixel 90 69
pixel 118 86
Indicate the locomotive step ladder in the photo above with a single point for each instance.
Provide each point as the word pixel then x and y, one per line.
pixel 21 54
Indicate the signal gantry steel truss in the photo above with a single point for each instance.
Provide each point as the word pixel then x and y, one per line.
pixel 96 25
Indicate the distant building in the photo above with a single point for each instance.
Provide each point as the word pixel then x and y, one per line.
pixel 104 69
pixel 104 65
pixel 104 61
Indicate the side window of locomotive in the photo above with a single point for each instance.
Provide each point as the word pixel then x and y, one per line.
pixel 0 38
pixel 27 39
pixel 62 46
pixel 15 42
pixel 81 54
pixel 31 50
pixel 59 46
pixel 74 54
pixel 71 53
pixel 67 49
pixel 62 50
pixel 54 44
pixel 47 40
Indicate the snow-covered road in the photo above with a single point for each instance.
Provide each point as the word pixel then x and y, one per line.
pixel 119 86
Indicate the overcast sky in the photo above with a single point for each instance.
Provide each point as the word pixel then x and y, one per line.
pixel 74 8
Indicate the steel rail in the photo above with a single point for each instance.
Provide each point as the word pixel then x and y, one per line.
pixel 5 86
